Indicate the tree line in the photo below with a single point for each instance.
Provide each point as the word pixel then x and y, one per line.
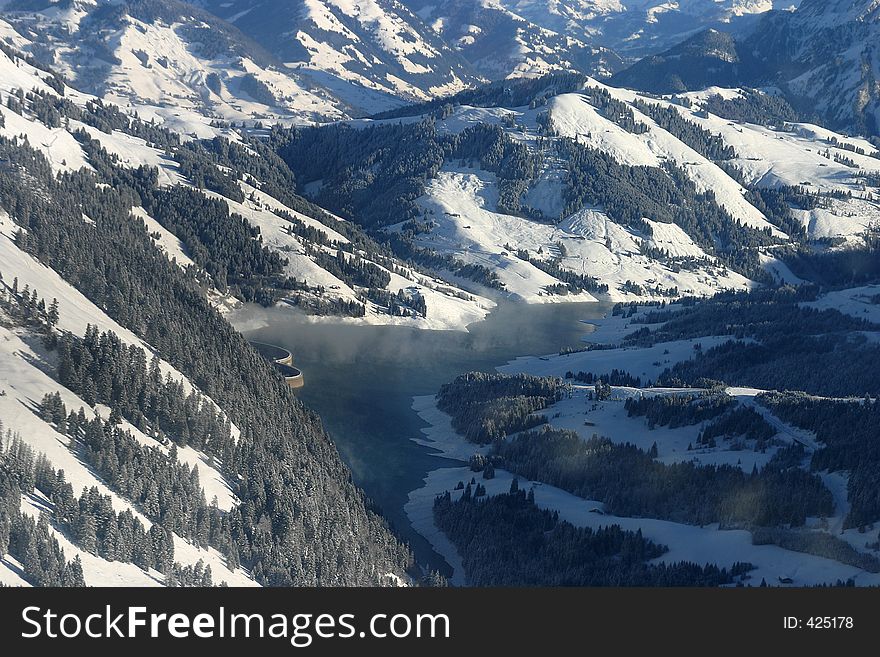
pixel 487 407
pixel 631 483
pixel 505 540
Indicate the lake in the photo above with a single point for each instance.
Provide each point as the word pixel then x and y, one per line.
pixel 361 379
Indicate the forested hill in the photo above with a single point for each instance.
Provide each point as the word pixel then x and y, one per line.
pixel 565 187
pixel 252 237
pixel 143 440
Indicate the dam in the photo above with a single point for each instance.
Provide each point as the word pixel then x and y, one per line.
pixel 282 359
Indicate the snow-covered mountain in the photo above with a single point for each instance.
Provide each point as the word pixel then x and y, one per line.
pixel 249 197
pixel 640 27
pixel 168 60
pixel 823 57
pixel 25 364
pixel 557 189
pixel 707 59
pixel 826 57
pixel 47 128
pixel 504 38
pixel 771 187
pixel 372 53
pixel 319 60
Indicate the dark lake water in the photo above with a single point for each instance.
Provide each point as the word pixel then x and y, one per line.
pixel 361 379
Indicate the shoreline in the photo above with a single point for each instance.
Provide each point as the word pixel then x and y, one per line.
pixel 248 317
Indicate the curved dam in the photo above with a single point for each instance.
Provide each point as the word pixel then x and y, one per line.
pixel 282 359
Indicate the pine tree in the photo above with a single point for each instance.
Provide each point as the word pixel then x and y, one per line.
pixel 86 533
pixel 489 471
pixel 74 574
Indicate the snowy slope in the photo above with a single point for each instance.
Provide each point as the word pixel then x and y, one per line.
pixel 460 205
pixel 795 154
pixel 59 147
pixel 462 202
pixel 685 542
pixel 520 37
pixel 861 302
pixel 168 242
pixel 821 57
pixel 587 417
pixel 372 53
pixel 824 57
pixel 508 39
pixel 157 58
pixel 448 306
pixel 801 154
pixel 574 117
pixel 133 152
pixel 11 572
pixel 76 311
pixel 25 366
pixel 24 383
pixel 708 544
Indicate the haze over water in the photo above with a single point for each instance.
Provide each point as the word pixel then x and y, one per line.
pixel 362 379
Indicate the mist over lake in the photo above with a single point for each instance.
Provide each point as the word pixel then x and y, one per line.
pixel 362 379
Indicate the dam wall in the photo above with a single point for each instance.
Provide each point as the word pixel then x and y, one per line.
pixel 282 359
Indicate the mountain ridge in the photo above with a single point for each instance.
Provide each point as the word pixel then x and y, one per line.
pixel 821 57
pixel 377 46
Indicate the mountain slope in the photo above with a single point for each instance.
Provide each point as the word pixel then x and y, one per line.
pixel 822 56
pixel 637 28
pixel 539 187
pixel 317 60
pixel 372 53
pixel 825 57
pixel 169 60
pixel 115 362
pixel 304 238
pixel 707 59
pixel 501 42
pixel 503 38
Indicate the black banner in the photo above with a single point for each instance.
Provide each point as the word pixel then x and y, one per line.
pixel 434 621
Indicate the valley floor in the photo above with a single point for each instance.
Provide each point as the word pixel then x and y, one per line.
pixel 579 412
pixel 707 544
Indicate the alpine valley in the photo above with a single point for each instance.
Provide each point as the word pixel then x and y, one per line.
pixel 581 292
